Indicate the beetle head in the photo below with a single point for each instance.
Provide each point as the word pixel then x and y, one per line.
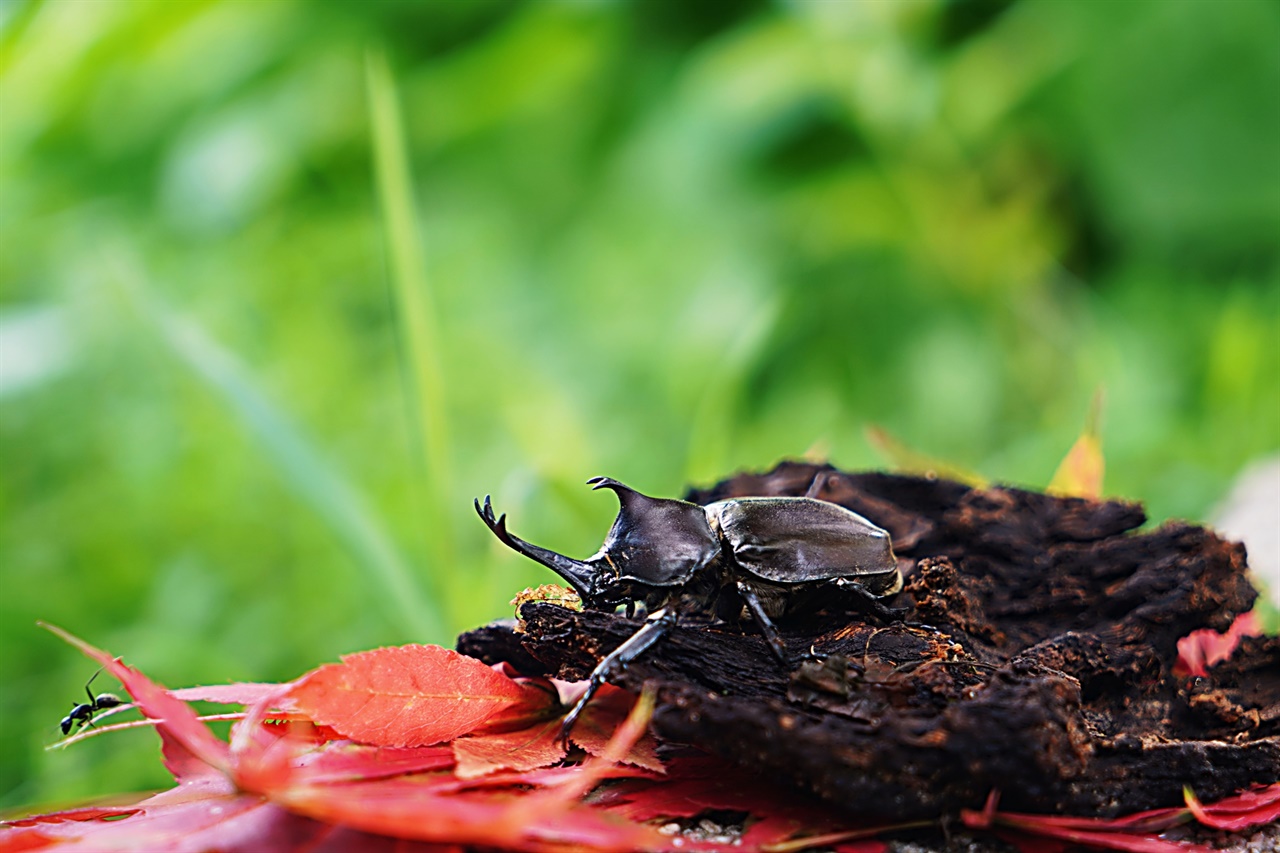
pixel 654 543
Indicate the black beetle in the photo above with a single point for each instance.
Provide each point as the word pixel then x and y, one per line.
pixel 82 714
pixel 771 556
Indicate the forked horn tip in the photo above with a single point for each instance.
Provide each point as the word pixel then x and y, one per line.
pixel 608 483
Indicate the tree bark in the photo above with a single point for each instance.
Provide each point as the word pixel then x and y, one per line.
pixel 1035 658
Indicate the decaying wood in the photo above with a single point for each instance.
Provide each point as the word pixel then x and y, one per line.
pixel 1036 658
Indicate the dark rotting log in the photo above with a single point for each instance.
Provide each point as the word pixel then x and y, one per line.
pixel 1036 657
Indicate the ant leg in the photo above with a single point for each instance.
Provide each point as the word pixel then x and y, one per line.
pixel 767 628
pixel 658 626
pixel 89 682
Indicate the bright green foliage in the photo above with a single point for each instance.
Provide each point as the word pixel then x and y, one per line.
pixel 283 285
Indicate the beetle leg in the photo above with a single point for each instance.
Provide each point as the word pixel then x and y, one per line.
pixel 868 603
pixel 819 483
pixel 657 626
pixel 815 655
pixel 767 628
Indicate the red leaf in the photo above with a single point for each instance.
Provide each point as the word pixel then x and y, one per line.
pixel 1204 648
pixel 260 753
pixel 497 817
pixel 620 746
pixel 270 754
pixel 686 797
pixel 601 719
pixel 244 693
pixel 155 823
pixel 1156 820
pixel 172 715
pixel 72 815
pixel 409 807
pixel 1243 811
pixel 539 701
pixel 538 745
pixel 405 696
pixel 1118 841
pixel 296 788
pixel 541 777
pixel 194 817
pixel 181 762
pixel 699 785
pixel 1247 801
pixel 344 761
pixel 1098 832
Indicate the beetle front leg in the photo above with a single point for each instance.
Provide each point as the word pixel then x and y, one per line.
pixel 657 626
pixel 819 483
pixel 869 603
pixel 767 628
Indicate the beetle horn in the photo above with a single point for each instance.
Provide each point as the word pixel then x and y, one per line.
pixel 637 508
pixel 622 490
pixel 577 573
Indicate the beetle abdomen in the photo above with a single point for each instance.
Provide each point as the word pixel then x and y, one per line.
pixel 802 540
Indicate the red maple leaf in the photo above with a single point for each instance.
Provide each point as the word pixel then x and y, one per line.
pixel 244 693
pixel 538 745
pixel 601 719
pixel 1204 648
pixel 1247 809
pixel 404 696
pixel 311 766
pixel 1133 833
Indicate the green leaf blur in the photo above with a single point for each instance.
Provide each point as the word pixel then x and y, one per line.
pixel 284 285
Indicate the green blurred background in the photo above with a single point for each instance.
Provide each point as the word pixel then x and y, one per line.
pixel 248 390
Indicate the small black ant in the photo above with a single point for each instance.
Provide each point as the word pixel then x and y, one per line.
pixel 82 714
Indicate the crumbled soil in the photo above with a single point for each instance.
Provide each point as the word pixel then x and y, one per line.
pixel 1035 656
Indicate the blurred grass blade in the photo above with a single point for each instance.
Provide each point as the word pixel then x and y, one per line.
pixel 710 433
pixel 419 330
pixel 1080 473
pixel 13 25
pixel 907 460
pixel 303 468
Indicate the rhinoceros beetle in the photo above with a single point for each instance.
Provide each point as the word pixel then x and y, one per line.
pixel 769 556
